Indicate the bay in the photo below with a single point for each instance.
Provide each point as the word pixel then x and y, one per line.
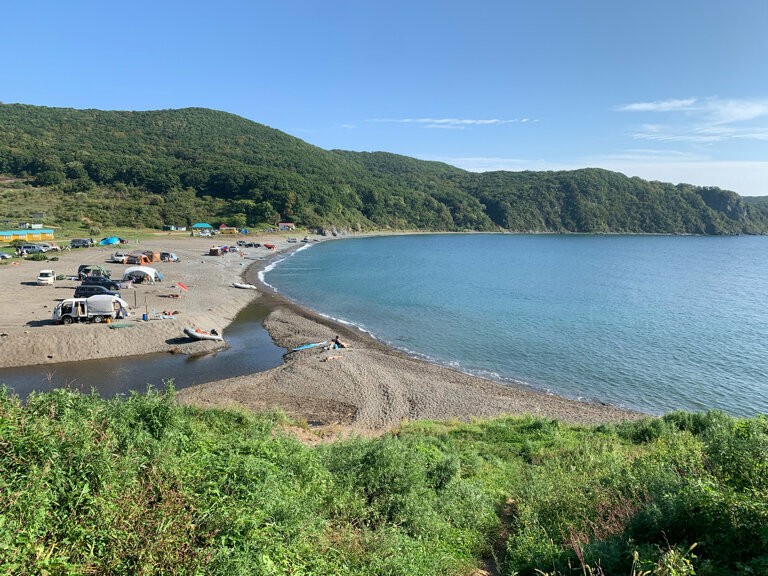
pixel 651 323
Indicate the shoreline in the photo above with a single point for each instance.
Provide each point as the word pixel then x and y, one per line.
pixel 372 386
pixel 369 386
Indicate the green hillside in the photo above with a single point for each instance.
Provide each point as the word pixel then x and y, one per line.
pixel 141 486
pixel 179 166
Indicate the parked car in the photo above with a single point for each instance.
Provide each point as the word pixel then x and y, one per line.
pixel 92 270
pixel 34 249
pixel 168 257
pixel 4 255
pixel 81 242
pixel 50 246
pixel 119 257
pixel 108 283
pixel 242 243
pixel 46 277
pixel 87 290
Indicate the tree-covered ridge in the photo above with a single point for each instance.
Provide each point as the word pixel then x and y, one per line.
pixel 594 200
pixel 180 163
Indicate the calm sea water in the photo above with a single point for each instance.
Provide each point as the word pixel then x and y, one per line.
pixel 652 323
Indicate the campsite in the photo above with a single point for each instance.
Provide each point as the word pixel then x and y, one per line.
pixel 150 277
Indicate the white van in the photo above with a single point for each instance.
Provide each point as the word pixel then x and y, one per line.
pixel 46 277
pixel 99 308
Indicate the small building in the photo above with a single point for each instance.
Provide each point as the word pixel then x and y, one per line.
pixel 26 235
pixel 286 226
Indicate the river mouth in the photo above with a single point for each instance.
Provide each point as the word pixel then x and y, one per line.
pixel 249 349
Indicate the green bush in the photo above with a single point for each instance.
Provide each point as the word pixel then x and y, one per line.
pixel 141 485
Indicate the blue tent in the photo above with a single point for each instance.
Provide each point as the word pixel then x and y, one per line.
pixel 107 241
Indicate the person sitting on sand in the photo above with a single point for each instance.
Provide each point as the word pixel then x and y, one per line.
pixel 336 343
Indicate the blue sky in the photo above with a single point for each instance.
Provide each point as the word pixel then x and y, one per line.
pixel 673 90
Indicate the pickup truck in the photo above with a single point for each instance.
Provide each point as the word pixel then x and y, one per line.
pixel 94 309
pixel 119 257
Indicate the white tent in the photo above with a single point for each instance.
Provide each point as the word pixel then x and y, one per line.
pixel 141 272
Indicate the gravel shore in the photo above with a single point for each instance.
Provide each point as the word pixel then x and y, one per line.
pixel 368 386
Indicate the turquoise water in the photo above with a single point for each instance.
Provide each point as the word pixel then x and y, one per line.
pixel 652 323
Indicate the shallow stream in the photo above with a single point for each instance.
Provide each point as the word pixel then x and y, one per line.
pixel 249 349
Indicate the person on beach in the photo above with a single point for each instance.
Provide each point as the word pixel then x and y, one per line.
pixel 336 343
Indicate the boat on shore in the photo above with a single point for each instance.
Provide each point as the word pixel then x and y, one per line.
pixel 243 286
pixel 199 334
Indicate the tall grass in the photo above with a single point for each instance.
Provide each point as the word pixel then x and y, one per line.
pixel 142 486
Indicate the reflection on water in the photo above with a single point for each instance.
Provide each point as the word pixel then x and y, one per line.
pixel 250 349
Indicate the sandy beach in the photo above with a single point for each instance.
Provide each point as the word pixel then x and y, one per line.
pixel 367 386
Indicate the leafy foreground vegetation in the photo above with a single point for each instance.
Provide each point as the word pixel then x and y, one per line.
pixel 142 486
pixel 177 167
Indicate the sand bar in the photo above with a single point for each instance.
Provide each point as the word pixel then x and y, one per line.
pixel 368 386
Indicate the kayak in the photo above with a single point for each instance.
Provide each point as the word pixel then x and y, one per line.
pixel 244 286
pixel 310 345
pixel 198 334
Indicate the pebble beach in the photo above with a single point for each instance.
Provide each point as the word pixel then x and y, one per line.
pixel 367 386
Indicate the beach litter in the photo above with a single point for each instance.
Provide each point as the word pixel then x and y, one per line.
pixel 163 316
pixel 329 358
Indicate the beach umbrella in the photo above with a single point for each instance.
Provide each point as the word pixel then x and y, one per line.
pixel 181 287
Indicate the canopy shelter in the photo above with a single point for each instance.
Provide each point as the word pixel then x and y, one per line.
pixel 142 273
pixel 202 225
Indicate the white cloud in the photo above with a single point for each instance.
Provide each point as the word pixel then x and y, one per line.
pixel 703 120
pixel 463 122
pixel 659 106
pixel 668 136
pixel 731 111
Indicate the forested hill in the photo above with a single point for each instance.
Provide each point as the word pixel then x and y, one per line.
pixel 180 166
